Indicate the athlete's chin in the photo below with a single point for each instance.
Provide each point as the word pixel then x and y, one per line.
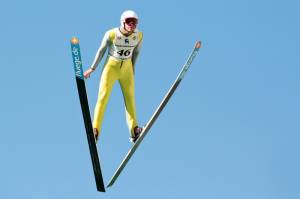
pixel 131 29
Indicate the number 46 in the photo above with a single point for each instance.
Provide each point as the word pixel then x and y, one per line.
pixel 124 52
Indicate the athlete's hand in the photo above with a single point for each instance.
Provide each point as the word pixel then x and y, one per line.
pixel 88 72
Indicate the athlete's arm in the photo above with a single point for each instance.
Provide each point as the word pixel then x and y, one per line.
pixel 101 51
pixel 135 54
pixel 99 55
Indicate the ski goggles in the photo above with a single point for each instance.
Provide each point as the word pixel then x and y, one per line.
pixel 131 21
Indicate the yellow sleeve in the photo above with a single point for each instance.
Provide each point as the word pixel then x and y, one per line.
pixel 140 36
pixel 112 35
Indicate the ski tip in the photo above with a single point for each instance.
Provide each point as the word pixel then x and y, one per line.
pixel 75 40
pixel 198 44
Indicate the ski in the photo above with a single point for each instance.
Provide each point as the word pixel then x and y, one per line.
pixel 156 114
pixel 86 113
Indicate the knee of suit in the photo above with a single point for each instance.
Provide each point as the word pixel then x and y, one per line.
pixel 129 98
pixel 103 97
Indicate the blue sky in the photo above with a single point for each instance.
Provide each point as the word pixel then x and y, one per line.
pixel 230 131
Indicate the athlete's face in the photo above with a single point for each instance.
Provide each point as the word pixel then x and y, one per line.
pixel 130 24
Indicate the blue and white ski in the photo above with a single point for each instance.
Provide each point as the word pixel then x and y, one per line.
pixel 156 113
pixel 86 113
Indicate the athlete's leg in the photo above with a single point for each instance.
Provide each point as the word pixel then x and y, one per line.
pixel 109 75
pixel 127 85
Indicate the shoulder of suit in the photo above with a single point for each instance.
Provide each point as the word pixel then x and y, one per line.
pixel 139 34
pixel 112 34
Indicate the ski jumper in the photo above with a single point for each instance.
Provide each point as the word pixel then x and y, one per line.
pixel 122 54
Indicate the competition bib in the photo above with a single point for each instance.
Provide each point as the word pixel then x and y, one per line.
pixel 123 46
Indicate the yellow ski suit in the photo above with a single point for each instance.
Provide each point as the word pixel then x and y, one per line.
pixel 122 54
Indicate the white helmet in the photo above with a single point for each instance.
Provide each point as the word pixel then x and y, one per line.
pixel 128 14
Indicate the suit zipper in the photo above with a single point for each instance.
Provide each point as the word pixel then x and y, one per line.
pixel 121 64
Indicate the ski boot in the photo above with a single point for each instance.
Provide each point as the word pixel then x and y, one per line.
pixel 137 132
pixel 96 134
